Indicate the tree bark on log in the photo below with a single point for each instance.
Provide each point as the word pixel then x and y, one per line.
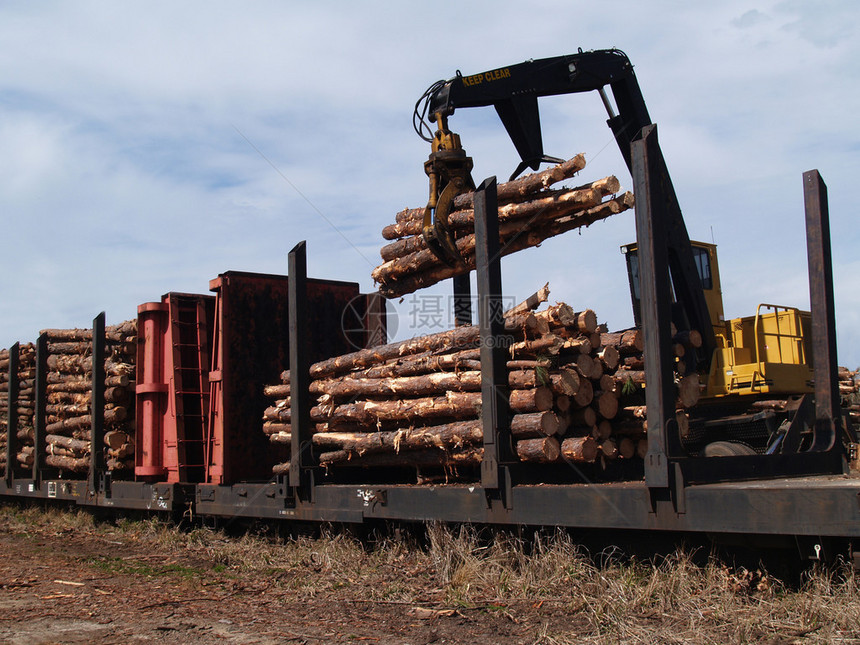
pixel 543 450
pixel 512 190
pixel 542 206
pixel 457 338
pixel 421 269
pixel 449 435
pixel 412 458
pixel 579 449
pixel 68 463
pixel 626 342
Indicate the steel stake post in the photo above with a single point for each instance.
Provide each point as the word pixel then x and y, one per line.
pixel 495 408
pixel 828 421
pixel 651 206
pixel 301 456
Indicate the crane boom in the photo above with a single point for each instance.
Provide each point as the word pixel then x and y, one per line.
pixel 514 91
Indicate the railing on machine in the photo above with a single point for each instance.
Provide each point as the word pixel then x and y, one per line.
pixel 787 341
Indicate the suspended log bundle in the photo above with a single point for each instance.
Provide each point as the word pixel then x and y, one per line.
pixel 417 403
pixel 529 213
pixel 69 398
pixel 25 406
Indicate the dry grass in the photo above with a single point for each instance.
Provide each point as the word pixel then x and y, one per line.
pixel 548 583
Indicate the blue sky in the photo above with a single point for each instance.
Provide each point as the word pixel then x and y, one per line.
pixel 148 147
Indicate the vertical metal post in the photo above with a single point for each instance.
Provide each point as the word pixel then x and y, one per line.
pixel 828 421
pixel 97 406
pixel 301 456
pixel 41 398
pixel 375 320
pixel 656 303
pixel 462 300
pixel 12 416
pixel 495 408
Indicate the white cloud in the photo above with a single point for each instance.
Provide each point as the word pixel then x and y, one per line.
pixel 125 173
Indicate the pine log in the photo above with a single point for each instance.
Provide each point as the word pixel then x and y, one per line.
pixel 75 398
pixel 689 390
pixel 81 348
pixel 281 438
pixel 457 338
pixel 584 394
pixel 119 464
pixel 277 390
pixel 470 456
pixel 450 435
pixel 606 404
pixel 609 449
pixel 626 448
pixel 411 272
pixel 456 405
pixel 531 303
pixel 116 333
pixel 546 344
pixel 272 427
pixel 626 342
pixel 60 451
pixel 112 415
pixel 607 383
pixel 281 469
pixel 526 364
pixel 275 413
pixel 68 463
pixel 125 450
pixel 405 386
pixel 580 344
pixel 609 357
pixel 579 449
pixel 116 395
pixel 542 206
pixel 67 409
pixel 542 450
pixel 513 190
pixel 535 424
pixel 424 363
pixel 689 338
pixel 115 439
pixel 603 430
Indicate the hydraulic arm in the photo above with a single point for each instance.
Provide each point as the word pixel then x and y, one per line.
pixel 514 91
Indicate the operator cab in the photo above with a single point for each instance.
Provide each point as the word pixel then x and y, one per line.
pixel 705 256
pixel 764 353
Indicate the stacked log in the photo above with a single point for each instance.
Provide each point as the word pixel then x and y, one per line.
pixel 529 213
pixel 417 403
pixel 26 403
pixel 849 393
pixel 69 397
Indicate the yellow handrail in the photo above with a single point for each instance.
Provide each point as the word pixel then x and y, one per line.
pixel 778 335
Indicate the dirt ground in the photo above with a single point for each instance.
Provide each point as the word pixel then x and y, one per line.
pixel 82 584
pixel 65 578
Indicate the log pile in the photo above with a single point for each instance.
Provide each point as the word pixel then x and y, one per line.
pixel 417 403
pixel 26 405
pixel 69 394
pixel 529 213
pixel 849 393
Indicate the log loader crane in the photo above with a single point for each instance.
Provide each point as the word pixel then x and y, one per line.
pixel 760 356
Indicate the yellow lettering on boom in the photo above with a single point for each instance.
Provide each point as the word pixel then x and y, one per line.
pixel 495 75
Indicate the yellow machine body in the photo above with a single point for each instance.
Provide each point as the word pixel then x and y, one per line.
pixel 767 353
